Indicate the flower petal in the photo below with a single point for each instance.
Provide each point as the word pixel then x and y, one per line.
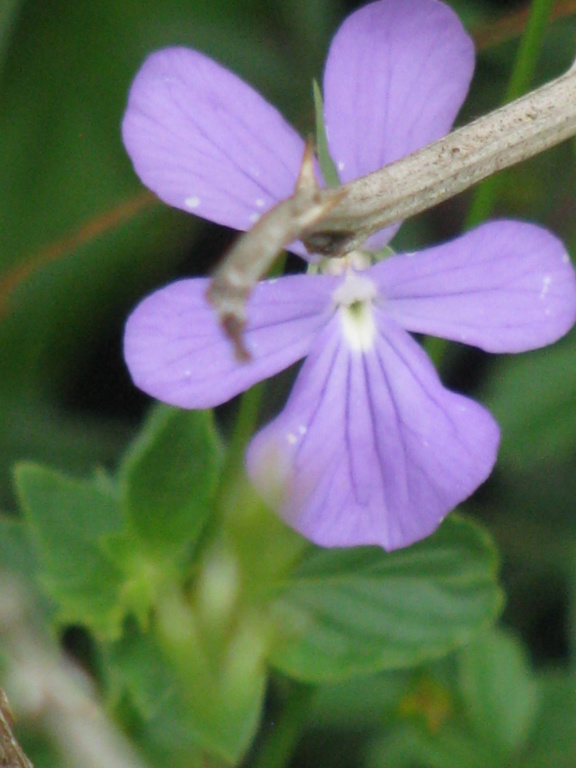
pixel 396 76
pixel 506 286
pixel 205 141
pixel 177 352
pixel 371 448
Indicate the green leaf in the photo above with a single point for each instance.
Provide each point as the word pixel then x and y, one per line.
pixel 532 398
pixel 553 740
pixel 9 10
pixel 223 676
pixel 360 611
pixel 66 518
pixel 168 478
pixel 181 701
pixel 359 703
pixel 16 555
pixel 498 689
pixel 411 745
pixel 137 678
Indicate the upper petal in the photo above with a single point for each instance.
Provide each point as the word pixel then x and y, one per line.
pixel 177 352
pixel 396 76
pixel 205 141
pixel 371 448
pixel 506 286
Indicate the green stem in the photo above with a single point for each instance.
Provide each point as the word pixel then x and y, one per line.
pixel 243 430
pixel 522 73
pixel 283 737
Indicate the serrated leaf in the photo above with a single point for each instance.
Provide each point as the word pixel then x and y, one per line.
pixel 168 478
pixel 360 611
pixel 66 519
pixel 498 689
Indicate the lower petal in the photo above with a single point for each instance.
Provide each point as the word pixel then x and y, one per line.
pixel 371 448
pixel 177 352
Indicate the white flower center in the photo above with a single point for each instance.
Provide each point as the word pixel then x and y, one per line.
pixel 353 299
pixel 355 260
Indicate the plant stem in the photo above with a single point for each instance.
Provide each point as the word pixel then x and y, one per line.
pixel 243 431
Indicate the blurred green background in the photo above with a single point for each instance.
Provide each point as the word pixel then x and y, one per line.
pixel 81 241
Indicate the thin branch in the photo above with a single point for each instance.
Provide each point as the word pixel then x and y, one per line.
pixel 67 244
pixel 333 222
pixel 509 135
pixel 251 256
pixel 11 753
pixel 511 25
pixel 47 688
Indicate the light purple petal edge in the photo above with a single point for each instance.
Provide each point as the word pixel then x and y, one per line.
pixel 176 351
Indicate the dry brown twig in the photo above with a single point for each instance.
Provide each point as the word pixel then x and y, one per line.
pixel 11 753
pixel 49 691
pixel 333 222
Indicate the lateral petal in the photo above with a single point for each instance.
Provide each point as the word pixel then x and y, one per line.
pixel 177 352
pixel 506 286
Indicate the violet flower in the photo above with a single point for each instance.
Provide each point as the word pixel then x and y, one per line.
pixel 370 448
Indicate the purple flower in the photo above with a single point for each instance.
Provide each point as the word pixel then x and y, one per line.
pixel 371 448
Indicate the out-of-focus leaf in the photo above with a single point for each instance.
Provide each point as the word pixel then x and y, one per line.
pixel 168 477
pixel 36 427
pixel 533 397
pixel 360 611
pixel 553 739
pixel 186 707
pixel 364 702
pixel 66 519
pixel 16 554
pixel 9 10
pixel 498 688
pixel 411 745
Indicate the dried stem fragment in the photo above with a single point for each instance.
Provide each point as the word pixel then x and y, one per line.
pixel 333 222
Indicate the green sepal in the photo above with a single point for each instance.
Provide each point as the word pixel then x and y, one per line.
pixel 327 165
